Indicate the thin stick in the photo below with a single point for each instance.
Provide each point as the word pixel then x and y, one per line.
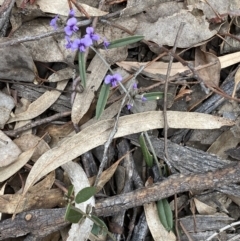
pixel 49 119
pixel 167 158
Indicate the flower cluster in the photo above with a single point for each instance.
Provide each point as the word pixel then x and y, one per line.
pixel 80 43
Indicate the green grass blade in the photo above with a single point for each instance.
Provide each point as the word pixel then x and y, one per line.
pixel 82 68
pixel 125 41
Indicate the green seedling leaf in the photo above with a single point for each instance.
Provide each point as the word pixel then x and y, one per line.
pixel 70 191
pixel 85 194
pixel 99 227
pixel 146 154
pixel 154 95
pixel 102 100
pixel 165 214
pixel 125 41
pixel 72 214
pixel 82 68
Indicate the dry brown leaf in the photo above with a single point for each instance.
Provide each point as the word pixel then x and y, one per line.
pixel 223 143
pixel 62 8
pixel 41 104
pixel 9 151
pixel 159 233
pixel 83 100
pixel 211 74
pixel 44 199
pixel 154 68
pixel 17 64
pixel 6 106
pixel 48 49
pixel 98 133
pixel 60 75
pixel 8 171
pixel 203 208
pixel 107 175
pixel 45 184
pixel 79 231
pixel 27 141
pixel 163 31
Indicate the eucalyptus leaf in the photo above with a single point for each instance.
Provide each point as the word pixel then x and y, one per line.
pixel 147 156
pixel 165 214
pixel 125 41
pixel 85 194
pixel 102 100
pixel 82 68
pixel 72 214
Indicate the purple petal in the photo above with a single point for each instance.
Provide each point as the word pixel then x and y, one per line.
pixel 75 43
pixel 135 86
pixel 108 79
pixel 72 13
pixel 71 21
pixel 144 98
pixel 105 43
pixel 129 106
pixel 118 77
pixel 89 30
pixel 95 37
pixel 53 22
pixel 87 41
pixel 68 31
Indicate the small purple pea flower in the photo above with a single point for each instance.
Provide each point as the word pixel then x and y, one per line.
pixel 129 106
pixel 143 98
pixel 91 34
pixel 72 13
pixel 106 43
pixel 135 86
pixel 82 43
pixel 71 26
pixel 53 22
pixel 69 43
pixel 113 79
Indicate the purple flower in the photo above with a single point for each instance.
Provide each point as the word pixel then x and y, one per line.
pixel 71 26
pixel 135 86
pixel 143 98
pixel 81 44
pixel 113 79
pixel 129 106
pixel 106 43
pixel 53 22
pixel 69 43
pixel 72 13
pixel 91 34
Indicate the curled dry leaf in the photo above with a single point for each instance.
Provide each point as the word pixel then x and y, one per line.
pixel 6 106
pixel 98 133
pixel 203 208
pixel 79 231
pixel 9 151
pixel 41 104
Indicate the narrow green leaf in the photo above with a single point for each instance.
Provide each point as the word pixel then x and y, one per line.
pixel 70 191
pixel 99 227
pixel 146 154
pixel 125 41
pixel 102 100
pixel 82 68
pixel 72 214
pixel 154 95
pixel 165 214
pixel 85 194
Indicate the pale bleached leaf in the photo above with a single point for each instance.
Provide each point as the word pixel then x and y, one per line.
pixel 79 231
pixel 9 151
pixel 41 104
pixel 98 133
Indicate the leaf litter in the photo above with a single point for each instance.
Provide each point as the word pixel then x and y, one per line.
pixel 206 59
